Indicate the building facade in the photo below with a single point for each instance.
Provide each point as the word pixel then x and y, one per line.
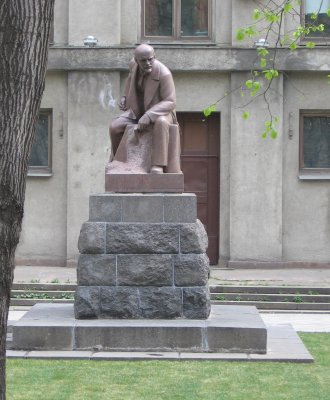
pixel 263 201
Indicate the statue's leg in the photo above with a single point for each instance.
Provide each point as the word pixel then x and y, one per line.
pixel 116 131
pixel 160 138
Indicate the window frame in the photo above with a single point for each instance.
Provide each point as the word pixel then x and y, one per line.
pixel 305 172
pixel 319 40
pixel 176 27
pixel 38 170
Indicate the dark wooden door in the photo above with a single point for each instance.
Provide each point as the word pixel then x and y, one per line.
pixel 200 149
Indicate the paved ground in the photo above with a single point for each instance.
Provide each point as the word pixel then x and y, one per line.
pixel 307 322
pixel 294 277
pixel 289 348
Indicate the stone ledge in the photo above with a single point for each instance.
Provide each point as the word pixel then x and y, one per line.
pixel 230 329
pixel 144 183
pixel 147 207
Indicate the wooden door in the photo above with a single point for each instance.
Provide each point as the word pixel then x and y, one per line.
pixel 200 149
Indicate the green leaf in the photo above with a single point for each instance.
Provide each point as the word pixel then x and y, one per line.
pixel 256 87
pixel 240 35
pixel 264 135
pixel 320 28
pixel 293 46
pixel 249 83
pixel 273 133
pixel 256 13
pixel 310 45
pixel 263 52
pixel 328 12
pixel 209 110
pixel 287 7
pixel 314 15
pixel 263 63
pixel 246 115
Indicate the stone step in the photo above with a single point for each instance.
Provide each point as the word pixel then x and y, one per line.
pixel 62 287
pixel 262 297
pixel 269 289
pixel 33 301
pixel 276 305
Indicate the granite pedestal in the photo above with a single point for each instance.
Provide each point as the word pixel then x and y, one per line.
pixel 142 256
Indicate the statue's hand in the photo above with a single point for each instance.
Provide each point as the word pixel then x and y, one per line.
pixel 122 104
pixel 144 122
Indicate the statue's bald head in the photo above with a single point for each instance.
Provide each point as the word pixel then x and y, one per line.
pixel 143 49
pixel 144 56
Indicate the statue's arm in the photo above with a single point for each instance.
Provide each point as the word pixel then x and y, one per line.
pixel 167 101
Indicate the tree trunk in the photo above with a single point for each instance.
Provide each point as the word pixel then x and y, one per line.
pixel 24 33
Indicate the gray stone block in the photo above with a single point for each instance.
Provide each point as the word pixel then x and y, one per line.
pixel 86 302
pixel 145 270
pixel 139 337
pixel 119 302
pixel 161 302
pixel 96 270
pixel 196 302
pixel 142 208
pixel 180 208
pixel 236 339
pixel 191 269
pixel 142 239
pixel 105 208
pixel 193 238
pixel 92 238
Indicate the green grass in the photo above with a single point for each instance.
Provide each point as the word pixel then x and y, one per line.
pixel 206 380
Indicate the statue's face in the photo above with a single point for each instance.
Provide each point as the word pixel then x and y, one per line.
pixel 145 59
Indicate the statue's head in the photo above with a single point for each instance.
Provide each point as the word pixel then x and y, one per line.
pixel 144 55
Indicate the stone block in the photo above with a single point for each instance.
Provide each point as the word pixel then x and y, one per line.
pixel 142 208
pixel 87 302
pixel 142 239
pixel 130 336
pixel 144 183
pixel 180 208
pixel 92 238
pixel 105 208
pixel 193 238
pixel 119 302
pixel 96 270
pixel 196 302
pixel 237 339
pixel 191 269
pixel 165 302
pixel 145 270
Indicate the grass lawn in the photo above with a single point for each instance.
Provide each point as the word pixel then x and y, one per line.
pixel 216 380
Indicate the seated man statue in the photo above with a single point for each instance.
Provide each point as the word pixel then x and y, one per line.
pixel 148 101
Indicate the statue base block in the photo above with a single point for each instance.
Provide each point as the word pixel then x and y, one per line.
pixel 144 183
pixel 230 329
pixel 142 256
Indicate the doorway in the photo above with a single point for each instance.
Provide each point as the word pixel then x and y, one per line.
pixel 200 149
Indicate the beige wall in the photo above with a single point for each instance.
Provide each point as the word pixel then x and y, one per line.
pixel 43 237
pixel 306 206
pixel 266 212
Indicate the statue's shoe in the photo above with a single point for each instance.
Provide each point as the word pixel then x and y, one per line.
pixel 155 169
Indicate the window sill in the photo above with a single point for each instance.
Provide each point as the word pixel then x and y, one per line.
pixel 39 174
pixel 314 175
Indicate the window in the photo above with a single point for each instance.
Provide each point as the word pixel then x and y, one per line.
pixel 40 158
pixel 319 7
pixel 176 19
pixel 315 141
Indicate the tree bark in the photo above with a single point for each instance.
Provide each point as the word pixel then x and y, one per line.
pixel 24 33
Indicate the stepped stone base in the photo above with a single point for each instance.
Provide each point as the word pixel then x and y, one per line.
pixel 232 329
pixel 142 256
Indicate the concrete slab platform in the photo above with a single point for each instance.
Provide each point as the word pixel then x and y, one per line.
pixel 230 329
pixel 277 351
